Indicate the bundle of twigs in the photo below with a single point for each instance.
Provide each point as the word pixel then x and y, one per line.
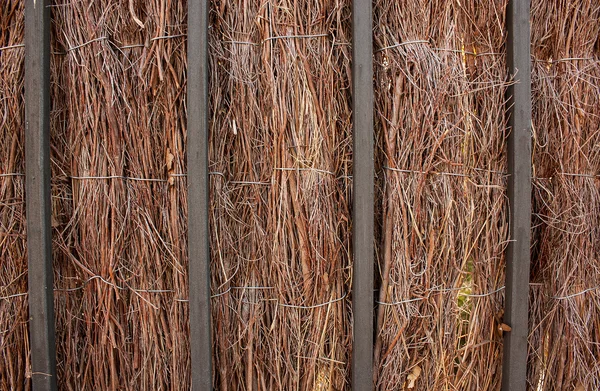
pixel 14 349
pixel 280 162
pixel 119 205
pixel 565 325
pixel 440 85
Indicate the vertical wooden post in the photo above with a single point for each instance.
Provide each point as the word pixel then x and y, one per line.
pixel 514 368
pixel 198 195
pixel 363 195
pixel 38 203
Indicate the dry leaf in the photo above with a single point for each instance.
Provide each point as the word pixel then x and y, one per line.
pixel 169 159
pixel 322 381
pixel 414 375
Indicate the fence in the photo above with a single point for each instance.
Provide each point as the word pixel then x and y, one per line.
pixel 428 328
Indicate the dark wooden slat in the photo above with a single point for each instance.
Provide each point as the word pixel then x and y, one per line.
pixel 514 369
pixel 363 195
pixel 38 206
pixel 198 195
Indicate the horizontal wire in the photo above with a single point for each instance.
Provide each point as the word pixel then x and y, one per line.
pixel 242 288
pixel 21 45
pixel 470 294
pixel 349 177
pixel 303 169
pixel 98 277
pixel 70 49
pixel 83 44
pixel 281 304
pixel 400 44
pixel 313 306
pixel 458 51
pixel 401 302
pixel 488 171
pixel 13 296
pixel 242 43
pixel 294 36
pixel 119 177
pixel 442 291
pixel 168 37
pixel 446 173
pixel 591 176
pixel 576 294
pixel 405 43
pixel 297 306
pixel 551 61
pixel 274 38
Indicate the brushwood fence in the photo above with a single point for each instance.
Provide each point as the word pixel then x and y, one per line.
pixel 307 194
